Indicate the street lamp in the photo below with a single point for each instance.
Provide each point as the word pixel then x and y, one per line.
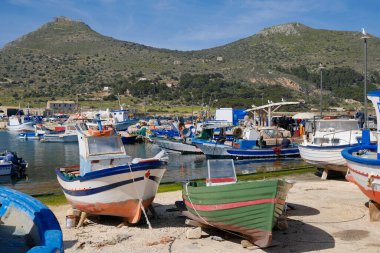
pixel 365 37
pixel 321 67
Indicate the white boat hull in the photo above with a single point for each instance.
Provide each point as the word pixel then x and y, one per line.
pixel 366 177
pixel 25 127
pixel 325 157
pixel 5 168
pixel 119 194
pixel 177 146
pixel 60 138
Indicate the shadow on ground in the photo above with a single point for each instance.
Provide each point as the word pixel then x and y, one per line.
pixel 301 237
pixel 301 210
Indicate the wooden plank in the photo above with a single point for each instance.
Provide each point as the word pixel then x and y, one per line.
pixel 325 174
pixel 374 211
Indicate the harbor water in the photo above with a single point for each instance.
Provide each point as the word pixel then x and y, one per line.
pixel 43 158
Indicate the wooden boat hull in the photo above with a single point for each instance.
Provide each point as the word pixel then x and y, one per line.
pixel 249 208
pixel 364 172
pixel 118 191
pixel 225 151
pixel 327 157
pixel 27 225
pixel 129 139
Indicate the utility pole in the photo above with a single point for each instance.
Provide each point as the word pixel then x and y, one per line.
pixel 365 37
pixel 321 67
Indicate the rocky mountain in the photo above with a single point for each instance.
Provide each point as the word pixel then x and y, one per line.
pixel 65 57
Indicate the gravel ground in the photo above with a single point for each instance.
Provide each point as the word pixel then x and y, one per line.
pixel 325 216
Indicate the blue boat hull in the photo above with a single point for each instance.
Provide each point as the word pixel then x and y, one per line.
pixel 123 125
pixel 216 150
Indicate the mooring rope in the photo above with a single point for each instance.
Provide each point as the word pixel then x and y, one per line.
pixel 140 199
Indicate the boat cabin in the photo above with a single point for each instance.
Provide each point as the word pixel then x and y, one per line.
pixel 120 115
pixel 336 132
pixel 98 151
pixel 221 172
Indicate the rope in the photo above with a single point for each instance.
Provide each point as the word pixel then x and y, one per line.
pixel 140 198
pixel 188 196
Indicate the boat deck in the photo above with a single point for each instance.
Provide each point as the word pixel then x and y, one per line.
pixel 367 155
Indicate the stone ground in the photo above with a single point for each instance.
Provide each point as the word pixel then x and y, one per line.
pixel 328 216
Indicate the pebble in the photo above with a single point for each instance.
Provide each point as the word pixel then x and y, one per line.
pixel 217 238
pixel 246 243
pixel 194 233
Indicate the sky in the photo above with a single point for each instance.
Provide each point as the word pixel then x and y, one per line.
pixel 187 24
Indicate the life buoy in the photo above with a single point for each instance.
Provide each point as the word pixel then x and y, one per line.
pixel 277 150
pixel 105 132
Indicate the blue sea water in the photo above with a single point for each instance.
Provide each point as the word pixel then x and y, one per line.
pixel 43 158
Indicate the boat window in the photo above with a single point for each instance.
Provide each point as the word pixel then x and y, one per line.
pixel 221 172
pixel 98 146
pixel 336 125
pixel 335 141
pixel 321 141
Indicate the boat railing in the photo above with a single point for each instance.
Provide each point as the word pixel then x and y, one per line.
pixel 340 139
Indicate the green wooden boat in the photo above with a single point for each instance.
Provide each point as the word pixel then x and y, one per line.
pixel 250 208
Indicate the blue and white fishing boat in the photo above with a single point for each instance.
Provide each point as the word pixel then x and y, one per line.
pixel 251 142
pixel 121 119
pixel 108 181
pixel 240 150
pixel 27 225
pixel 363 161
pixel 38 133
pixel 10 164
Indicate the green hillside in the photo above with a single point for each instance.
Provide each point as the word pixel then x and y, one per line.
pixel 65 57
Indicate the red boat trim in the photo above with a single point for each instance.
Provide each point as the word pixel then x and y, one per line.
pixel 221 180
pixel 370 193
pixel 362 173
pixel 214 207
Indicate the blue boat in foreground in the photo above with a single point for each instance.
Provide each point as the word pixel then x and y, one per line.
pixel 27 225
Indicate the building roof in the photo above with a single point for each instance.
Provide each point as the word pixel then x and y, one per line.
pixel 61 102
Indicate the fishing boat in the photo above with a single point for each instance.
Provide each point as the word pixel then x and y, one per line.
pixel 26 225
pixel 239 150
pixel 121 119
pixel 250 208
pixel 108 181
pixel 69 135
pixel 187 142
pixel 363 161
pixel 11 164
pixel 127 138
pixel 20 124
pixel 329 139
pixel 179 144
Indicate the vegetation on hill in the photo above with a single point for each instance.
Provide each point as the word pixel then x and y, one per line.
pixel 66 58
